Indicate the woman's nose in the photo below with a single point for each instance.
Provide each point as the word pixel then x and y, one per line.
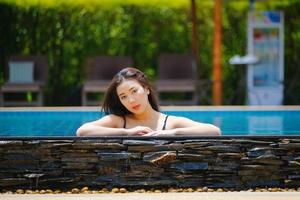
pixel 131 99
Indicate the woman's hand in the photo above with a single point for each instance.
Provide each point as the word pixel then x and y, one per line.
pixel 171 132
pixel 138 131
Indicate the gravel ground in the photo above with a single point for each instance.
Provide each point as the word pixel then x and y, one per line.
pixel 160 196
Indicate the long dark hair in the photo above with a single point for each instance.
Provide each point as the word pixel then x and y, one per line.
pixel 112 103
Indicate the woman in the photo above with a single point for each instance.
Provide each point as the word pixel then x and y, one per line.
pixel 131 109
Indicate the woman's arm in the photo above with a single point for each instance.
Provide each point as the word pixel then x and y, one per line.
pixel 185 126
pixel 104 126
pixel 179 126
pixel 110 125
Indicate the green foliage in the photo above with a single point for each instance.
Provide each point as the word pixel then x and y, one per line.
pixel 70 31
pixel 234 42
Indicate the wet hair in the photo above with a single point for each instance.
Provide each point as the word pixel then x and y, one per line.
pixel 112 103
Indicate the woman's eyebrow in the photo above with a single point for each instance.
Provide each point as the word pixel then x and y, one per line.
pixel 124 93
pixel 132 88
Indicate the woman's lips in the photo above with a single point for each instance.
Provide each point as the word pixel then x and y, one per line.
pixel 136 107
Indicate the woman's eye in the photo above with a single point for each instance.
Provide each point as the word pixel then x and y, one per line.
pixel 123 97
pixel 134 91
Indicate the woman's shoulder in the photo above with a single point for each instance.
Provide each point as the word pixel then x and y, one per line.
pixel 111 120
pixel 113 117
pixel 179 121
pixel 175 118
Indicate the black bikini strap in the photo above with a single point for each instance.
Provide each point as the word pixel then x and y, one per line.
pixel 124 126
pixel 165 122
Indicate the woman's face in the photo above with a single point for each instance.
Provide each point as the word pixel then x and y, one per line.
pixel 133 96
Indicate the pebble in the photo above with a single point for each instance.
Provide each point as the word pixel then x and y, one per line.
pixel 179 190
pixel 171 190
pixel 273 189
pixel 141 191
pixel 123 190
pixel 49 191
pixel 75 191
pixel 20 191
pixel 42 192
pixel 189 190
pixel 29 192
pixel 57 191
pixel 84 189
pixel 115 190
pixel 105 190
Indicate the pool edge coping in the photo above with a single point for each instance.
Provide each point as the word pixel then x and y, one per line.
pixel 169 138
pixel 163 108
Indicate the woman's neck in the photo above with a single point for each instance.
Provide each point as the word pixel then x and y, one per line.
pixel 148 114
pixel 149 118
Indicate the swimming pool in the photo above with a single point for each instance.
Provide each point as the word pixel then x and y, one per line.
pixel 232 121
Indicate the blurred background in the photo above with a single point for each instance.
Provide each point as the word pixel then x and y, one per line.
pixel 67 32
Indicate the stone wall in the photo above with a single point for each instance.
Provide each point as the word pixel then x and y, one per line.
pixel 231 162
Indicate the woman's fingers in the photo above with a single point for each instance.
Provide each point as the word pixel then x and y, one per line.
pixel 161 133
pixel 140 130
pixel 153 133
pixel 148 134
pixel 146 131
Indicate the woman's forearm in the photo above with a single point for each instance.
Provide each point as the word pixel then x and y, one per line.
pixel 206 129
pixel 92 130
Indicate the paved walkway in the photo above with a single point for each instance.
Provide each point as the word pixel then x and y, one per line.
pixel 161 196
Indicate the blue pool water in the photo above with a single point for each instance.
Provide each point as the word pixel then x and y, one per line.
pixel 231 122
